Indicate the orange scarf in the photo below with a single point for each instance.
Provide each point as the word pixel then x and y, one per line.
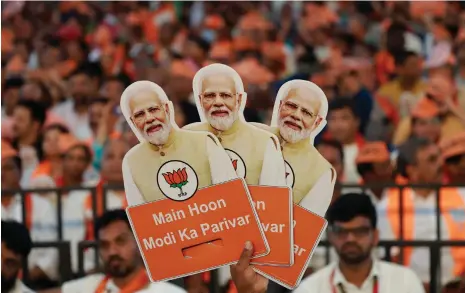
pixel 139 282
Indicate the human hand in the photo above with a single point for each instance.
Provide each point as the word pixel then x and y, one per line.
pixel 243 275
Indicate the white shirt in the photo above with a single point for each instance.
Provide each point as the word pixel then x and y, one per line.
pixel 78 124
pixel 20 288
pixel 319 197
pixel 220 166
pixel 392 278
pixel 273 167
pixel 44 228
pixel 350 168
pixel 89 284
pixel 425 229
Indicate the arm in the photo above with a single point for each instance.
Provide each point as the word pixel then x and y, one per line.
pixel 221 168
pixel 273 168
pixel 319 197
pixel 133 195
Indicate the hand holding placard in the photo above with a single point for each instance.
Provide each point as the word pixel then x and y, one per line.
pixel 243 275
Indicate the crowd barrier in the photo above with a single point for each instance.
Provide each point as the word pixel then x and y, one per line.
pixel 63 247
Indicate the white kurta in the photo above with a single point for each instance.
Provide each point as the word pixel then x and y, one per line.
pixel 44 228
pixel 319 197
pixel 273 166
pixel 90 283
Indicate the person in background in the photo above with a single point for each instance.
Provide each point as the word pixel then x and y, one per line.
pixel 407 87
pixel 351 87
pixel 52 162
pixel 39 218
pixel 10 96
pixel 453 154
pixel 123 269
pixel 333 152
pixel 28 119
pixel 420 161
pixel 16 246
pixel 374 166
pixel 353 233
pixel 343 126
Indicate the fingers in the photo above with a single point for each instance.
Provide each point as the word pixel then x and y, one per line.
pixel 246 255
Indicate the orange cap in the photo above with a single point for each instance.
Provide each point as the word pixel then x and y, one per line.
pixel 424 109
pixel 66 142
pixel 215 22
pixel 373 152
pixel 7 150
pixel 453 146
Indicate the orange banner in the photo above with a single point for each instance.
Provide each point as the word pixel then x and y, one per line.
pixel 308 229
pixel 180 238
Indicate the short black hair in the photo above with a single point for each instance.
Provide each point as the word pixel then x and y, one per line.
pixel 13 83
pixel 37 110
pixel 454 160
pixel 364 168
pixel 402 56
pixel 334 144
pixel 408 153
pixel 87 151
pixel 90 69
pixel 110 217
pixel 350 205
pixel 16 238
pixel 99 100
pixel 342 103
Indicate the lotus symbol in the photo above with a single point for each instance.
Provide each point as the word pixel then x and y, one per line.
pixel 177 179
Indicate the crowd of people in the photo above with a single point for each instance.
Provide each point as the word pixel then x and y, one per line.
pixel 393 74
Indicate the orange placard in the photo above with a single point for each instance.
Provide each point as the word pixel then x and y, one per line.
pixel 171 235
pixel 308 229
pixel 274 208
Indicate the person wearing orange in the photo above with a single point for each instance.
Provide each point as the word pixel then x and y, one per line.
pixel 374 165
pixel 453 153
pixel 124 271
pixel 420 162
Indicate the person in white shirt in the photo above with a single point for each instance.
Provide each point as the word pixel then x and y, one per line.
pixel 123 268
pixel 352 222
pixel 16 246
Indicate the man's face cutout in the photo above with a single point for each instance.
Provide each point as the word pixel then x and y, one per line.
pixel 150 116
pixel 298 114
pixel 220 101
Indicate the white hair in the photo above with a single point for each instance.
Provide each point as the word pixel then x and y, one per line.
pixel 139 87
pixel 295 84
pixel 215 70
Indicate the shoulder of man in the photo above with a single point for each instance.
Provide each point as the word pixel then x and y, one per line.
pixel 163 287
pixel 396 271
pixel 196 126
pixel 313 282
pixel 89 282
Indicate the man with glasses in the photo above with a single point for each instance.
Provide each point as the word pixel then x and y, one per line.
pixel 352 232
pixel 299 115
pixel 168 161
pixel 220 98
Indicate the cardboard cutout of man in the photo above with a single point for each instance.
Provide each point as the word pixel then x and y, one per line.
pixel 220 99
pixel 168 161
pixel 299 115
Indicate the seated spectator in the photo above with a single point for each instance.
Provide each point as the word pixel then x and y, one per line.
pixel 353 233
pixel 39 217
pixel 374 166
pixel 343 126
pixel 420 162
pixel 16 246
pixel 124 270
pixel 441 92
pixel 453 153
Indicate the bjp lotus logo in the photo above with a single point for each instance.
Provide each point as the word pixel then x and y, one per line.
pixel 238 163
pixel 290 179
pixel 177 180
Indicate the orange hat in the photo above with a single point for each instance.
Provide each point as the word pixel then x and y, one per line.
pixel 7 150
pixel 373 152
pixel 215 22
pixel 15 65
pixel 424 109
pixel 66 142
pixel 242 43
pixel 453 146
pixel 221 50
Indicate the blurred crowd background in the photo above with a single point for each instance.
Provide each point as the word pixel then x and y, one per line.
pixel 390 70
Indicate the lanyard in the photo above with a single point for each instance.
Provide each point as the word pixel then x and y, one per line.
pixel 341 287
